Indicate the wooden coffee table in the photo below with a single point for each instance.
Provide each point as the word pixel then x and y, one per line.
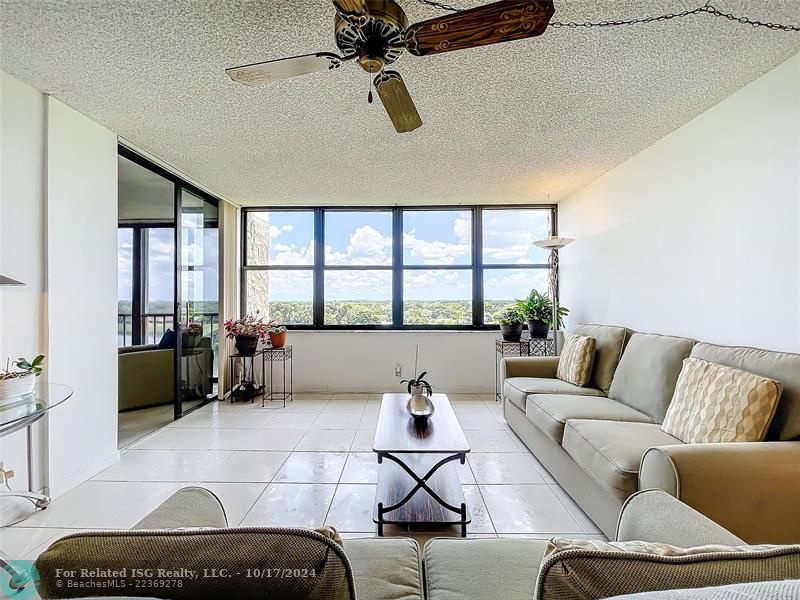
pixel 418 482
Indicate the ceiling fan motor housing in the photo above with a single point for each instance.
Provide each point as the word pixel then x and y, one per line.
pixel 380 41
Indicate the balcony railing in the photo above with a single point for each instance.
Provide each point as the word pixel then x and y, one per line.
pixel 155 324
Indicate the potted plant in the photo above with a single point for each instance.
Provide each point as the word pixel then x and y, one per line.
pixel 511 324
pixel 20 382
pixel 246 333
pixel 277 334
pixel 538 311
pixel 419 404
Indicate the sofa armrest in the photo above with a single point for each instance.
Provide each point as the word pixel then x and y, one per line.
pixel 188 507
pixel 655 516
pixel 530 366
pixel 750 488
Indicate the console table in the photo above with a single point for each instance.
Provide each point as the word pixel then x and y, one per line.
pixel 21 414
pixel 524 347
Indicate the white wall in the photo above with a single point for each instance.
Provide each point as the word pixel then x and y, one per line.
pixel 698 235
pixel 58 206
pixel 364 361
pixel 22 247
pixel 82 293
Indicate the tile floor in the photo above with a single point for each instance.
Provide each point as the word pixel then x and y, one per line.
pixel 305 465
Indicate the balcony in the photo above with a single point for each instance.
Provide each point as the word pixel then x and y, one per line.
pixel 155 324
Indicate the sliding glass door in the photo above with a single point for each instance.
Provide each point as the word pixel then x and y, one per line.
pixel 197 291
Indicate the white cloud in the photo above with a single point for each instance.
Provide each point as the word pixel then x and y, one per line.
pixel 435 252
pixel 367 246
pixel 461 227
pixel 275 232
pixel 291 254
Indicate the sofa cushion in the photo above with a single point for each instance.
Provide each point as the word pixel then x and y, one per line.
pixel 188 507
pixel 181 552
pixel 776 590
pixel 517 389
pixel 477 569
pixel 611 451
pixel 577 357
pixel 386 568
pixel 647 372
pixel 780 366
pixel 609 344
pixel 715 403
pixel 550 412
pixel 591 570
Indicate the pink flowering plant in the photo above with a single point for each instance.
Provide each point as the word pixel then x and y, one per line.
pixel 249 326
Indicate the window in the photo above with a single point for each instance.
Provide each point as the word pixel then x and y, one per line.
pixel 437 267
pixel 437 273
pixel 358 268
pixel 279 284
pixel 158 282
pixel 512 264
pixel 124 287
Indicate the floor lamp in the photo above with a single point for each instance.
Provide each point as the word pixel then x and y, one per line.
pixel 554 244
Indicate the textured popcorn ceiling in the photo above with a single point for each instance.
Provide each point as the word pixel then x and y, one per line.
pixel 516 122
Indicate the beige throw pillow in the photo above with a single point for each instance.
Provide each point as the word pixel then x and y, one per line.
pixel 714 403
pixel 577 356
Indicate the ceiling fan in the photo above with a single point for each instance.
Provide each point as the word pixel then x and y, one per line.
pixel 376 33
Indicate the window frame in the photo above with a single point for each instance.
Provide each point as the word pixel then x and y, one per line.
pixel 397 267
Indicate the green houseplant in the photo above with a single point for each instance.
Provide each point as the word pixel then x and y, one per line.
pixel 21 381
pixel 277 334
pixel 419 404
pixel 537 309
pixel 511 322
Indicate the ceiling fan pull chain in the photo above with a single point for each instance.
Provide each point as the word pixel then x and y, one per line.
pixel 369 96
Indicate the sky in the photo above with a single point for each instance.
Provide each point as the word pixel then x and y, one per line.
pixel 200 284
pixel 430 237
pixel 440 238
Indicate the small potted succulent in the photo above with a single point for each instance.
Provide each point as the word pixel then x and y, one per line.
pixel 277 334
pixel 246 333
pixel 21 381
pixel 419 404
pixel 511 322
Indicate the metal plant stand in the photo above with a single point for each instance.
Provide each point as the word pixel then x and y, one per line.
pixel 525 347
pixel 247 387
pixel 282 355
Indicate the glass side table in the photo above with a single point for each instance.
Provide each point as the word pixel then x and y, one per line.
pixel 524 347
pixel 272 393
pixel 21 413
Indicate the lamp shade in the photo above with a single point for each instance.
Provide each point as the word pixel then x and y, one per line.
pixel 553 242
pixel 8 281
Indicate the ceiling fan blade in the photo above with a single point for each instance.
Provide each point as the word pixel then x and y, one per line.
pixel 273 70
pixel 498 22
pixel 397 101
pixel 353 11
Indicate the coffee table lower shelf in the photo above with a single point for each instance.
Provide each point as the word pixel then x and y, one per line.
pixel 420 489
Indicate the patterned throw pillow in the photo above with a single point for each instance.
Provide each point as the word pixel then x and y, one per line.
pixel 714 403
pixel 577 356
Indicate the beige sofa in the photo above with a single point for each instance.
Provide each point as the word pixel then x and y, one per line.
pixel 146 374
pixel 189 532
pixel 604 442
